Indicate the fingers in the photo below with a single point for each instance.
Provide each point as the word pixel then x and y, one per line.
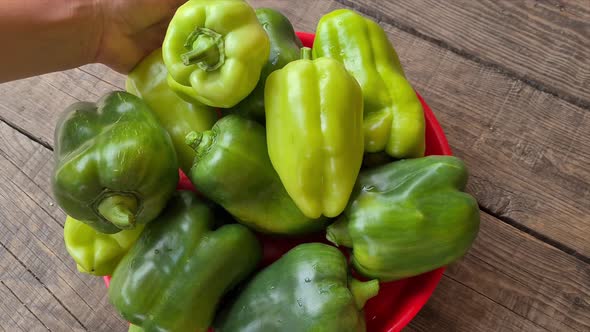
pixel 137 30
pixel 122 58
pixel 154 36
pixel 145 44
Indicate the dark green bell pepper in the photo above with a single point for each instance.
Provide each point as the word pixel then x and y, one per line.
pixel 408 217
pixel 174 276
pixel 233 169
pixel 308 289
pixel 115 166
pixel 177 116
pixel 394 118
pixel 284 47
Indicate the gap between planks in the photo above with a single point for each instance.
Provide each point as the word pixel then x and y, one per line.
pixel 21 130
pixel 24 266
pixel 24 304
pixel 541 237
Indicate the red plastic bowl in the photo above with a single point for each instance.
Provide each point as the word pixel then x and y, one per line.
pixel 397 302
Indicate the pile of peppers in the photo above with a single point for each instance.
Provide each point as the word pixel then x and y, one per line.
pixel 279 140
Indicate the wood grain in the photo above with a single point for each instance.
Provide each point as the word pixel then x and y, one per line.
pixel 28 303
pixel 528 277
pixel 455 307
pixel 34 264
pixel 509 281
pixel 15 315
pixel 544 43
pixel 47 96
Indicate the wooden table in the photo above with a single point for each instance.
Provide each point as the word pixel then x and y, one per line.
pixel 510 83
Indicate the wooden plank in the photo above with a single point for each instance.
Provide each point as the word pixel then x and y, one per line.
pixel 32 230
pixel 33 105
pixel 528 277
pixel 27 303
pixel 527 150
pixel 510 281
pixel 455 307
pixel 104 74
pixel 15 315
pixel 545 43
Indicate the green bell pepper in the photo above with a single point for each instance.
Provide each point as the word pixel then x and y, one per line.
pixel 115 165
pixel 174 276
pixel 214 51
pixel 408 217
pixel 308 289
pixel 394 118
pixel 314 123
pixel 178 117
pixel 97 253
pixel 232 168
pixel 284 47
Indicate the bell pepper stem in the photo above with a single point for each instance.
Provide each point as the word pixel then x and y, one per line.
pixel 119 210
pixel 193 139
pixel 306 53
pixel 338 234
pixel 363 291
pixel 200 142
pixel 205 49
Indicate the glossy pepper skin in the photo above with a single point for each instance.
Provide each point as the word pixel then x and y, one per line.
pixel 394 118
pixel 232 168
pixel 177 116
pixel 215 51
pixel 115 166
pixel 308 289
pixel 408 217
pixel 314 125
pixel 97 253
pixel 285 47
pixel 134 328
pixel 173 278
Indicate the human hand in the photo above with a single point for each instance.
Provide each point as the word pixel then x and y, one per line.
pixel 52 35
pixel 131 29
